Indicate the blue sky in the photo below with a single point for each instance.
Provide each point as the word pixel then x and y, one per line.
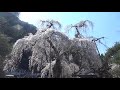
pixel 106 24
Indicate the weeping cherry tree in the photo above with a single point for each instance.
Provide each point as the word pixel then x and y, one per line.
pixel 50 24
pixel 82 25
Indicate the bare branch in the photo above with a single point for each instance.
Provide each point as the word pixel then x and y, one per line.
pixel 79 26
pixel 50 24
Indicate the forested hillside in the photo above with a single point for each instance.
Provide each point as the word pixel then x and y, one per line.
pixel 113 57
pixel 12 29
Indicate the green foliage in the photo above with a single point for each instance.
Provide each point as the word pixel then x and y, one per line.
pixel 5 46
pixel 2 74
pixel 8 22
pixel 116 58
pixel 15 13
pixel 113 54
pixel 9 34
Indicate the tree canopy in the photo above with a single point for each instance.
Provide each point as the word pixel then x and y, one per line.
pixel 113 53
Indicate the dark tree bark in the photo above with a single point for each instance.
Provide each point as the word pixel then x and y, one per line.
pixel 57 69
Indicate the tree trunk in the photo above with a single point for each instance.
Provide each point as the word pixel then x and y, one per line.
pixel 57 69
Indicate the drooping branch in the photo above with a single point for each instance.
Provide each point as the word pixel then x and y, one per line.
pixel 50 24
pixel 51 44
pixel 57 69
pixel 79 26
pixel 98 39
